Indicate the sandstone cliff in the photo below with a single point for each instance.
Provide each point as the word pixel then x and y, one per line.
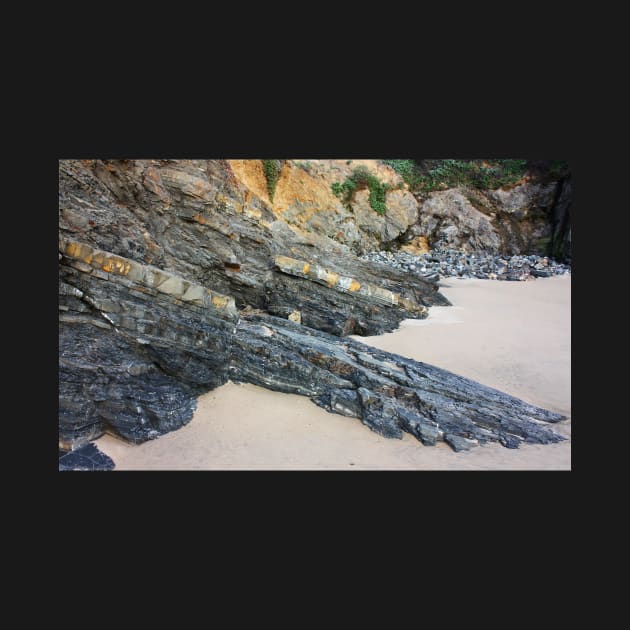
pixel 304 199
pixel 529 216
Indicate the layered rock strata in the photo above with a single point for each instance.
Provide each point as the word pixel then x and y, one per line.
pixel 389 393
pixel 174 277
pixel 139 344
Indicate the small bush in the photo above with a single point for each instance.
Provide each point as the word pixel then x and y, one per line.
pixel 272 170
pixel 378 191
pixel 360 179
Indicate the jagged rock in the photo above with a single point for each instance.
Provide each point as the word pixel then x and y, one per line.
pixel 138 343
pixel 303 199
pixel 389 393
pixel 532 216
pixel 449 219
pixel 542 273
pixel 196 219
pixel 339 303
pixel 171 274
pixel 560 243
pixel 87 457
pixel 458 443
pixel 135 346
pixel 134 356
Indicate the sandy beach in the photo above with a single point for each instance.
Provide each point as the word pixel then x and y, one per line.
pixel 514 336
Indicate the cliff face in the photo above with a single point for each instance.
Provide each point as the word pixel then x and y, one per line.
pixel 529 218
pixel 175 275
pixel 304 200
pixel 156 259
pixel 198 219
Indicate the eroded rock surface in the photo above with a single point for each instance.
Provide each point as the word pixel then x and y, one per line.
pixel 304 200
pixel 175 276
pixel 389 393
pixel 532 217
pixel 87 457
pixel 138 345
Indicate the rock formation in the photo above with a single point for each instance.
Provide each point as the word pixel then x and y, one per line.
pixel 389 393
pixel 528 217
pixel 176 275
pixel 86 457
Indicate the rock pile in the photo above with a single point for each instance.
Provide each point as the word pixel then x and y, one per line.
pixel 448 263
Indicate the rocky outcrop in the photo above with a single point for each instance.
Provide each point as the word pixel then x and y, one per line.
pixel 304 200
pixel 138 345
pixel 86 457
pixel 389 393
pixel 448 219
pixel 529 218
pixel 174 277
pixel 198 219
pixel 347 305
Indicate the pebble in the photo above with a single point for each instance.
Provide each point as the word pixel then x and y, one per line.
pixel 448 263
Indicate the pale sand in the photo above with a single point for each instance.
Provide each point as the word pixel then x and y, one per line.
pixel 515 336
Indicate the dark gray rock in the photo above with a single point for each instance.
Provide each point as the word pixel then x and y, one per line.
pixel 560 245
pixel 133 358
pixel 389 393
pixel 542 273
pixel 87 457
pixel 458 443
pixel 459 264
pixel 138 347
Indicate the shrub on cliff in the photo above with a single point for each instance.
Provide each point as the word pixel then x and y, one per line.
pixel 360 179
pixel 272 170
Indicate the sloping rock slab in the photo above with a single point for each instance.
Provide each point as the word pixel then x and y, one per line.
pixel 87 457
pixel 389 393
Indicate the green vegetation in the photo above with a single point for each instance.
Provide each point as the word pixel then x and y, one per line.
pixel 428 175
pixel 361 178
pixel 408 170
pixel 272 170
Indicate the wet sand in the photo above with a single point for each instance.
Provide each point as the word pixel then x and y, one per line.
pixel 515 336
